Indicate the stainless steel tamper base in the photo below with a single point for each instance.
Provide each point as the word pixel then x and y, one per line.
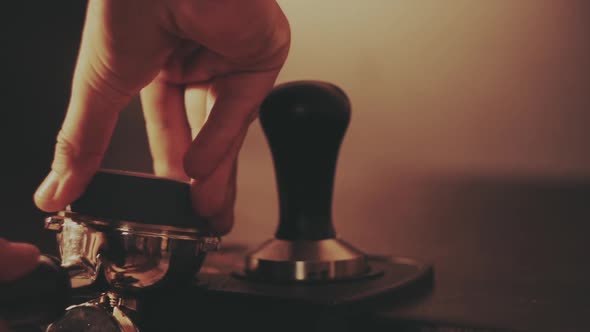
pixel 284 260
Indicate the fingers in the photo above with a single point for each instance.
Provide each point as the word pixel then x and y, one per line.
pixel 167 128
pixel 236 101
pixel 170 135
pixel 214 197
pixel 211 159
pixel 114 62
pixel 16 259
pixel 90 119
pixel 223 222
pixel 249 33
pixel 247 45
pixel 85 133
pixel 209 195
pixel 78 153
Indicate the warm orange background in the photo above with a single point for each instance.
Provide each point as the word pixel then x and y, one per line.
pixel 437 86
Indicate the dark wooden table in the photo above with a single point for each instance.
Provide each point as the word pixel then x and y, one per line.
pixel 510 254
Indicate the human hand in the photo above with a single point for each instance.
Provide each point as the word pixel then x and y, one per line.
pixel 202 67
pixel 16 260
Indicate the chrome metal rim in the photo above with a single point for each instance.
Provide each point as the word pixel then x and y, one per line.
pixel 207 243
pixel 330 259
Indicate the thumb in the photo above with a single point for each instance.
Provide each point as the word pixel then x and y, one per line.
pixel 16 259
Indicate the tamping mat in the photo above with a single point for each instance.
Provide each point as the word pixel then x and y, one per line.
pixel 391 279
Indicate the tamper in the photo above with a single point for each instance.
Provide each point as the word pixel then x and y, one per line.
pixel 306 263
pixel 304 123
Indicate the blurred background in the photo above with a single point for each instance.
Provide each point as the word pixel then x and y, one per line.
pixel 438 88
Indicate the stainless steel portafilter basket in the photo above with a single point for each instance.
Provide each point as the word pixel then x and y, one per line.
pixel 132 256
pixel 138 230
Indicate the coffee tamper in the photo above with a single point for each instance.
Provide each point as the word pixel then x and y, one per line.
pixel 304 123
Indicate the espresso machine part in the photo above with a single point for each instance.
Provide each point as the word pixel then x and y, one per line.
pixel 140 231
pixel 135 232
pixel 131 255
pixel 107 313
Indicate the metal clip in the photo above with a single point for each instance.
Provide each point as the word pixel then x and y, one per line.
pixel 54 223
pixel 209 244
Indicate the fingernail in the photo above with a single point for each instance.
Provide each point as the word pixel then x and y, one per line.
pixel 48 188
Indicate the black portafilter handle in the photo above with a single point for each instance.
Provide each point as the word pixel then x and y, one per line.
pixel 304 123
pixel 40 296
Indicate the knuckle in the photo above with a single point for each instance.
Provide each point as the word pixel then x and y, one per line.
pixel 269 51
pixel 72 158
pixel 263 46
pixel 106 83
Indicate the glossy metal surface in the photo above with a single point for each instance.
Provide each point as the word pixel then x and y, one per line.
pixel 283 260
pixel 137 261
pixel 124 321
pixel 133 255
pixel 103 310
pixel 79 246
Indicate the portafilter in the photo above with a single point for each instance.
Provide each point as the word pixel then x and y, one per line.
pixel 135 231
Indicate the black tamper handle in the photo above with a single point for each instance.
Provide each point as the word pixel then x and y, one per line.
pixel 304 123
pixel 38 297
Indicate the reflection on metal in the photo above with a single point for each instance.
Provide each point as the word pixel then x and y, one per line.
pixel 132 255
pixel 79 245
pixel 111 305
pixel 142 261
pixel 282 260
